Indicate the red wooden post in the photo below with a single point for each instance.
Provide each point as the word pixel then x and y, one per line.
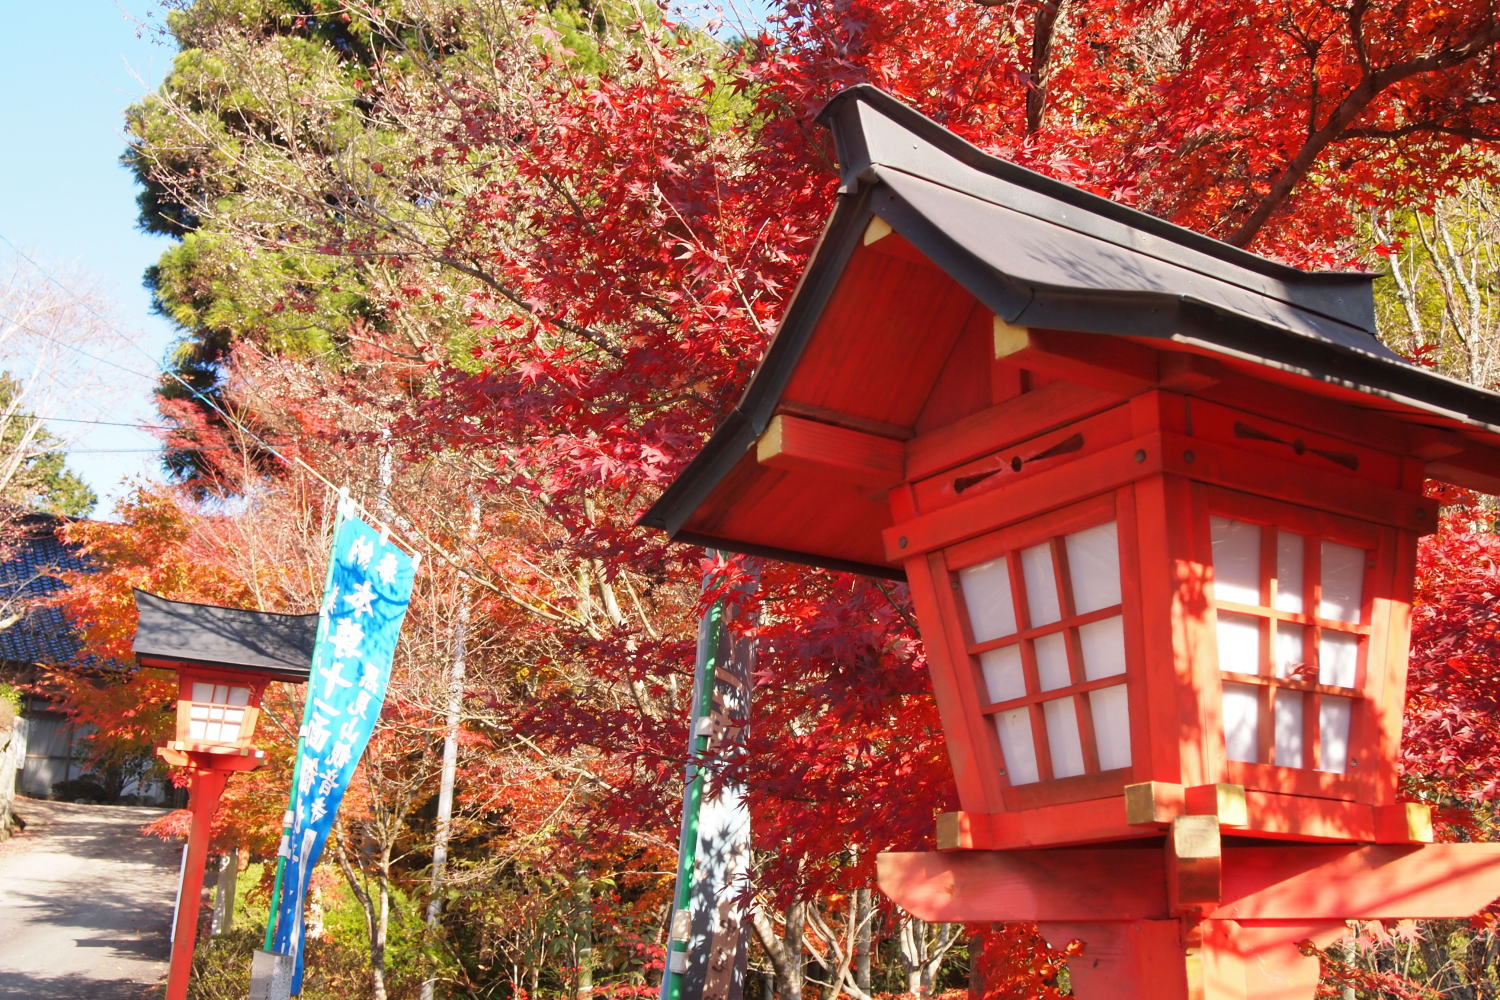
pixel 207 785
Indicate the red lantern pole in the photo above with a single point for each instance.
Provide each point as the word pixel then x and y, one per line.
pixel 209 773
pixel 207 785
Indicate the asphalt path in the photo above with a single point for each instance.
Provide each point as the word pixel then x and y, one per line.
pixel 85 904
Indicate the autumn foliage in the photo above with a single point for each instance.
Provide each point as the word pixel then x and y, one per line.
pixel 501 268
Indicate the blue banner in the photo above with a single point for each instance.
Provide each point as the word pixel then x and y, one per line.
pixel 369 586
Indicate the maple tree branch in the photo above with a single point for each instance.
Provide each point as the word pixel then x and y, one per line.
pixel 839 959
pixel 1311 48
pixel 1043 31
pixel 1044 28
pixel 1357 11
pixel 1370 86
pixel 890 599
pixel 1421 128
pixel 595 337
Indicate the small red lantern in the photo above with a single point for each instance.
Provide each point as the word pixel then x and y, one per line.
pixel 224 659
pixel 217 711
pixel 1157 501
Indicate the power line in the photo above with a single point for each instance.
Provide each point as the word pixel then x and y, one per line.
pixel 293 461
pixel 139 451
pixel 100 423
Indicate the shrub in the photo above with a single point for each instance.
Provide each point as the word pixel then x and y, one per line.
pixel 84 788
pixel 10 706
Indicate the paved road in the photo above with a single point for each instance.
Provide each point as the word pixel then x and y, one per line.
pixel 85 904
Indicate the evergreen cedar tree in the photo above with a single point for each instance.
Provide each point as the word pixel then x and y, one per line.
pixel 622 274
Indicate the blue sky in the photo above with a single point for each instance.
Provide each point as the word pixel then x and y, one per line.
pixel 70 69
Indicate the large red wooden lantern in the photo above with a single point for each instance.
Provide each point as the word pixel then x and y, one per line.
pixel 1157 501
pixel 224 659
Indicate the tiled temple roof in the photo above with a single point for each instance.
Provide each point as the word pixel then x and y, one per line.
pixel 29 564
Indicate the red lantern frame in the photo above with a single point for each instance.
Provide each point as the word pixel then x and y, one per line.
pixel 1137 465
pixel 188 676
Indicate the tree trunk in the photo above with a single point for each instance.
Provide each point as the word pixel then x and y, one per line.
pixel 1043 28
pixel 224 885
pixel 864 917
pixel 377 910
pixel 785 963
pixel 382 928
pixel 976 964
pixel 585 945
pixel 444 827
pixel 912 952
pixel 935 952
pixel 791 986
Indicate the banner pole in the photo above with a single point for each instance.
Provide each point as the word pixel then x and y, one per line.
pixel 286 817
pixel 703 687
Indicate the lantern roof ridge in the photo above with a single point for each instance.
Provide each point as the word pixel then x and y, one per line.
pixel 861 119
pixel 213 636
pixel 1063 241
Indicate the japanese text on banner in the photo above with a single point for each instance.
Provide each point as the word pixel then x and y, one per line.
pixel 369 588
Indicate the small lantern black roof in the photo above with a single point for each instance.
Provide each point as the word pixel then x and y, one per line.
pixel 172 632
pixel 1037 253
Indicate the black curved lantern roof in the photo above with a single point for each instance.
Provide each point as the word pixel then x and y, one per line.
pixel 173 632
pixel 1040 253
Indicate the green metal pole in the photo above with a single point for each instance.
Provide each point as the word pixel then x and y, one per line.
pixel 286 826
pixel 707 669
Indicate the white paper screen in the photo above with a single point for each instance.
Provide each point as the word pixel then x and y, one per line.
pixel 1094 568
pixel 1014 730
pixel 1002 673
pixel 1111 710
pixel 1343 582
pixel 1236 549
pixel 1052 662
pixel 1103 645
pixel 1289 728
pixel 1239 643
pixel 1291 650
pixel 986 589
pixel 1338 659
pixel 1333 734
pixel 1062 737
pixel 1241 722
pixel 1041 585
pixel 1290 571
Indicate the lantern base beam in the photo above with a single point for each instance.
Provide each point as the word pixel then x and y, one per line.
pixel 1287 882
pixel 1196 921
pixel 1147 809
pixel 1089 822
pixel 211 761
